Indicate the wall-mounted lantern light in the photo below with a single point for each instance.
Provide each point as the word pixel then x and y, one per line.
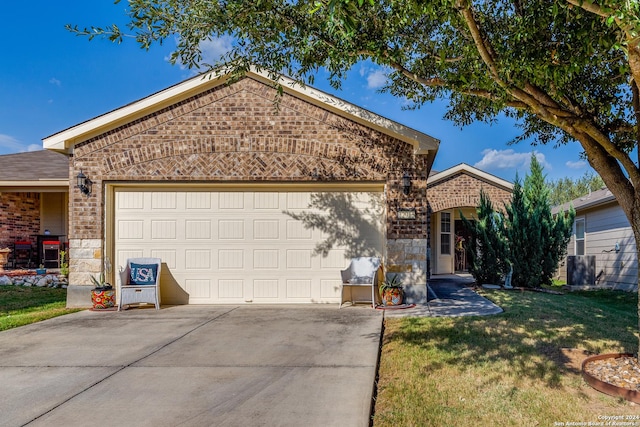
pixel 83 183
pixel 406 183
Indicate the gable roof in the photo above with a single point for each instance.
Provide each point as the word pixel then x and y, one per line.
pixel 34 171
pixel 436 177
pixel 64 141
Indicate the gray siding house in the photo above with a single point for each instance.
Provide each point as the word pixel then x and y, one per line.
pixel 602 250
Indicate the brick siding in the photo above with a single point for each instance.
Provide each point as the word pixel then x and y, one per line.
pixel 234 133
pixel 19 217
pixel 463 190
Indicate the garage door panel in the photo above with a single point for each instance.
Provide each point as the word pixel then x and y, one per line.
pixel 163 229
pixel 265 289
pixel 197 229
pixel 266 200
pixel 231 229
pixel 230 288
pixel 230 259
pixel 266 229
pixel 242 246
pixel 197 259
pixel 299 288
pixel 266 259
pixel 164 200
pixel 130 229
pixel 198 288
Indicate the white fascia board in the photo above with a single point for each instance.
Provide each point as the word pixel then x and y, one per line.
pixel 463 167
pixel 63 141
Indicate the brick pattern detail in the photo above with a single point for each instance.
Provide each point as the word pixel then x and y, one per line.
pixel 19 217
pixel 234 133
pixel 463 190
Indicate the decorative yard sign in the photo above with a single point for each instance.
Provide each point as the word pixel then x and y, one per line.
pixel 407 213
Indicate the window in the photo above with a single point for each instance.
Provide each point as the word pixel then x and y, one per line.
pixel 579 236
pixel 445 233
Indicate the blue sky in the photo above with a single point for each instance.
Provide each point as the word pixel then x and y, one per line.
pixel 51 79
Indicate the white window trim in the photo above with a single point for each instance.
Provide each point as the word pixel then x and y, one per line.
pixel 575 235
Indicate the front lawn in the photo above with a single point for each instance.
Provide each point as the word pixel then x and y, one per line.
pixel 20 305
pixel 518 368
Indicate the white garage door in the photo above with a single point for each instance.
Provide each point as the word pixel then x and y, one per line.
pixel 249 246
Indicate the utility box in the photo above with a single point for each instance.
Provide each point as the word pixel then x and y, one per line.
pixel 581 270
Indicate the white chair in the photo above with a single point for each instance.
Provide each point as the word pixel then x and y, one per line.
pixel 362 272
pixel 143 286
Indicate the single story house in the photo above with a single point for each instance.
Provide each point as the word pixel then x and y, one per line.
pixel 247 201
pixel 34 188
pixel 602 251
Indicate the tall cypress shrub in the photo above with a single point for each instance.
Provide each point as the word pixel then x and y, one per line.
pixel 486 250
pixel 536 239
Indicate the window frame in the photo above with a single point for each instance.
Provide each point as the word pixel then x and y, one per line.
pixel 583 239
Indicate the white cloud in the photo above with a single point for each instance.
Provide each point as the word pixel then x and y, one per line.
pixel 376 79
pixel 508 159
pixel 580 164
pixel 55 82
pixel 9 144
pixel 212 50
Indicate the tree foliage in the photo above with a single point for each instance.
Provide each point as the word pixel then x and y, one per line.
pixel 487 248
pixel 536 239
pixel 526 237
pixel 566 189
pixel 566 70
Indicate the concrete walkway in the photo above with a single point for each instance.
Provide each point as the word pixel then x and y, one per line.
pixel 311 365
pixel 449 296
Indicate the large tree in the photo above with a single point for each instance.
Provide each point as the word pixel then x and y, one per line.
pixel 567 70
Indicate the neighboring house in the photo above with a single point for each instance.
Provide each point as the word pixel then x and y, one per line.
pixel 602 250
pixel 246 201
pixel 34 189
pixel 449 193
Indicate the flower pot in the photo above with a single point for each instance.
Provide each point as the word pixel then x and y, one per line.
pixel 41 271
pixel 103 298
pixel 392 296
pixel 4 257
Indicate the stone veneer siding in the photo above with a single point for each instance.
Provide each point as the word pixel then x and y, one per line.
pixel 233 133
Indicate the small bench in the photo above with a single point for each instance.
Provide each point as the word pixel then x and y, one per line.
pixel 361 272
pixel 140 282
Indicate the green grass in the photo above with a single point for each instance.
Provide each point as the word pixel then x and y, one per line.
pixel 511 369
pixel 21 305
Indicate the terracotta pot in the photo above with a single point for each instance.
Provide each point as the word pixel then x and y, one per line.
pixel 392 296
pixel 4 256
pixel 103 298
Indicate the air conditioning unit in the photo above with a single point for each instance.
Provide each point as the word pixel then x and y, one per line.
pixel 581 270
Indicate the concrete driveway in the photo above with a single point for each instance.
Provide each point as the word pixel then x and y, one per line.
pixel 309 365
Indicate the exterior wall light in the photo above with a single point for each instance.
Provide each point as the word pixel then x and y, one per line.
pixel 83 183
pixel 406 183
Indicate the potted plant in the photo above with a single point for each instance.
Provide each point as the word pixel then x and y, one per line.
pixel 391 290
pixel 64 265
pixel 102 295
pixel 41 269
